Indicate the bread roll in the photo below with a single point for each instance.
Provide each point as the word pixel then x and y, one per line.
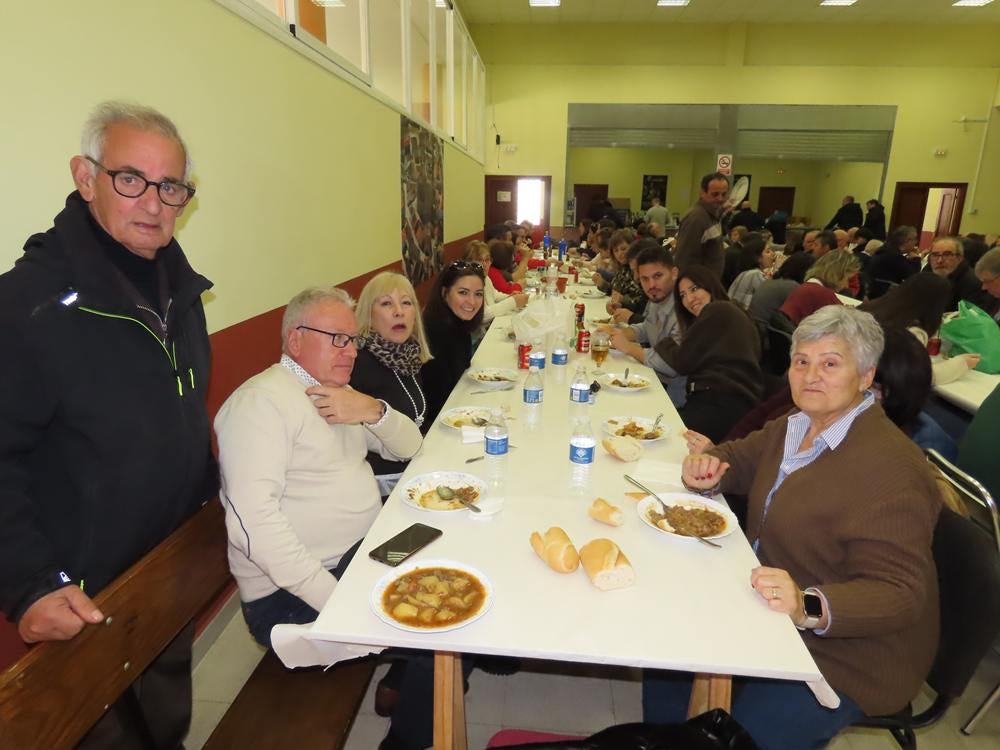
pixel 623 447
pixel 603 511
pixel 556 549
pixel 606 565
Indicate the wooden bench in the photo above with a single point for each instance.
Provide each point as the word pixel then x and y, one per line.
pixel 51 696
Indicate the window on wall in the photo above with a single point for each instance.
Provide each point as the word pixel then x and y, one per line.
pixel 461 57
pixel 442 87
pixel 337 29
pixel 530 200
pixel 420 58
pixel 387 49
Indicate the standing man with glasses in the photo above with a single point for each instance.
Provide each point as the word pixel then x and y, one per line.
pixel 104 432
pixel 298 492
pixel 946 259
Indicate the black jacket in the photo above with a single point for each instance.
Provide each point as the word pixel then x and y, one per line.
pixel 888 267
pixel 965 285
pixel 747 217
pixel 875 221
pixel 452 350
pixel 104 432
pixel 846 217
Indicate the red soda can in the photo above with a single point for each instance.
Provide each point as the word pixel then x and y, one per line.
pixel 581 310
pixel 523 350
pixel 934 346
pixel 576 275
pixel 583 341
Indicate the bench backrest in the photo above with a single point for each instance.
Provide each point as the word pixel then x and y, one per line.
pixel 52 695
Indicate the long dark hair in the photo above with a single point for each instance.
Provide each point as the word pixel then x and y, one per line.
pixel 795 267
pixel 904 376
pixel 921 301
pixel 749 258
pixel 437 309
pixel 704 278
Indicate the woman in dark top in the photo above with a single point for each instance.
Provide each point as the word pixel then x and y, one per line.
pixel 719 353
pixel 454 310
pixel 388 366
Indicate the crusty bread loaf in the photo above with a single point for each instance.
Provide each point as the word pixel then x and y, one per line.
pixel 623 447
pixel 556 549
pixel 606 565
pixel 603 511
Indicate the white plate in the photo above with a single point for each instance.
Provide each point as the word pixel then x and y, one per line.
pixel 612 424
pixel 459 413
pixel 419 485
pixel 682 498
pixel 585 281
pixel 641 382
pixel 510 377
pixel 601 321
pixel 592 294
pixel 408 567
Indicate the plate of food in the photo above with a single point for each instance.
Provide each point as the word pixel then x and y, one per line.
pixel 605 321
pixel 640 428
pixel 432 596
pixel 592 294
pixel 465 416
pixel 616 382
pixel 687 516
pixel 494 377
pixel 441 490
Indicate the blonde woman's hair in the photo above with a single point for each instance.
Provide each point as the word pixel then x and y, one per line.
pixel 477 250
pixel 831 269
pixel 379 286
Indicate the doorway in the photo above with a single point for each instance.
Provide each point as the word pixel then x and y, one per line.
pixel 588 197
pixel 518 197
pixel 772 199
pixel 934 208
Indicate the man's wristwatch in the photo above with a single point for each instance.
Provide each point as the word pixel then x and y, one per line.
pixel 812 605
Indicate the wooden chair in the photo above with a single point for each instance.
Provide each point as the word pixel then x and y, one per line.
pixel 54 694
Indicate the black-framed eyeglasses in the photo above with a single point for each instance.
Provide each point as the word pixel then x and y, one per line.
pixel 129 184
pixel 469 265
pixel 339 340
pixel 943 255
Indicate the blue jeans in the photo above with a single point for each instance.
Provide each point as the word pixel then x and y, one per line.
pixel 778 714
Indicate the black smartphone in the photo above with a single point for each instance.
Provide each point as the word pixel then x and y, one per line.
pixel 404 544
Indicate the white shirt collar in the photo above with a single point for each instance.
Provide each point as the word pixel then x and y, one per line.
pixel 298 370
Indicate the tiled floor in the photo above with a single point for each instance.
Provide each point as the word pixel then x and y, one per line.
pixel 550 696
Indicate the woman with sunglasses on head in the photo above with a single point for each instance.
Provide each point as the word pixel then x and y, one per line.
pixel 388 365
pixel 453 312
pixel 719 352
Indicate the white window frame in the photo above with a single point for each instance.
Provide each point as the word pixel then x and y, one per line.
pixel 364 73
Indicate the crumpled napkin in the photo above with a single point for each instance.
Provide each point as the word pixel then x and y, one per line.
pixel 472 434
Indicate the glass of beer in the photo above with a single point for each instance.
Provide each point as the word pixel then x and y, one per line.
pixel 599 344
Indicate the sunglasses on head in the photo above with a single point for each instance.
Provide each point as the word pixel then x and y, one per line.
pixel 467 265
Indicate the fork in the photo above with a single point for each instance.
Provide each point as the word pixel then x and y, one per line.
pixel 663 505
pixel 480 458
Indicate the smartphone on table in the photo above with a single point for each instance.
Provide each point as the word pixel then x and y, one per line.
pixel 404 544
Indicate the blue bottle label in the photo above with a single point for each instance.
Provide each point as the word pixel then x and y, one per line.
pixel 580 395
pixel 580 454
pixel 533 395
pixel 496 446
pixel 537 359
pixel 559 357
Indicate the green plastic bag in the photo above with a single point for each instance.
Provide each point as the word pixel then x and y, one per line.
pixel 973 331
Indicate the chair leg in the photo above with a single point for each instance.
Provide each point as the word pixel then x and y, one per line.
pixel 904 737
pixel 981 711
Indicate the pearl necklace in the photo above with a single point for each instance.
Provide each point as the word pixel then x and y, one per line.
pixel 418 419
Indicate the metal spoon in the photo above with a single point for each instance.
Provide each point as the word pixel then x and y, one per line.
pixel 663 505
pixel 659 418
pixel 447 493
pixel 626 374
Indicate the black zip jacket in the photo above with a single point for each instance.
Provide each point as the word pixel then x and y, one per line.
pixel 104 432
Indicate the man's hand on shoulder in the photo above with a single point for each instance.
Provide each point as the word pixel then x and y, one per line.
pixel 344 405
pixel 58 616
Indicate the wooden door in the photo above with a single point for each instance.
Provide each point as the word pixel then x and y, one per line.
pixel 588 196
pixel 909 205
pixel 949 216
pixel 501 199
pixel 772 199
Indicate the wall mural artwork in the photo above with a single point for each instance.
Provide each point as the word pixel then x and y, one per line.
pixel 421 159
pixel 653 184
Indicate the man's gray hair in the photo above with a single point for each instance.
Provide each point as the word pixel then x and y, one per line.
pixel 106 114
pixel 989 263
pixel 301 303
pixel 956 243
pixel 859 329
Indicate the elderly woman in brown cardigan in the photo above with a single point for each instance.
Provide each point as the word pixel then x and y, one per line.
pixel 842 509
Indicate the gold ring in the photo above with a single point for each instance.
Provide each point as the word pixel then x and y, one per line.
pixel 774 592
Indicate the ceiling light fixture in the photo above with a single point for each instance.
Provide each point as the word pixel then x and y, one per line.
pixel 971 3
pixel 543 3
pixel 672 3
pixel 839 3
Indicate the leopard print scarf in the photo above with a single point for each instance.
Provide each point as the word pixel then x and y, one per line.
pixel 403 358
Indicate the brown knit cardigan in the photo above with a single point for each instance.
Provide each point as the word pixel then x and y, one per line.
pixel 857 523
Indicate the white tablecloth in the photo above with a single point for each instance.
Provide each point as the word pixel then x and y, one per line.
pixel 970 390
pixel 691 607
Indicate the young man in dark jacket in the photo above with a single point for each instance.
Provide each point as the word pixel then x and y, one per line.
pixel 104 432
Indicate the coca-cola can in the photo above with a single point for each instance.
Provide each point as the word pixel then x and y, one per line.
pixel 523 354
pixel 934 346
pixel 581 310
pixel 583 341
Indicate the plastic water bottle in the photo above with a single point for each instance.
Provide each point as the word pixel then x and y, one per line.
pixel 581 455
pixel 534 388
pixel 579 388
pixel 495 435
pixel 546 242
pixel 562 250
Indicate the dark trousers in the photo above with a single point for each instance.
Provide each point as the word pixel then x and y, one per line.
pixel 712 413
pixel 154 713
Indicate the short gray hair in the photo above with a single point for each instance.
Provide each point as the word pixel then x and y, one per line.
pixel 859 329
pixel 301 303
pixel 989 263
pixel 106 114
pixel 956 243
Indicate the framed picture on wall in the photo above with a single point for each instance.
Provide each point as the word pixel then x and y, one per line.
pixel 653 184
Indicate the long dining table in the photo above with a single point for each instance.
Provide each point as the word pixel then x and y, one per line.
pixel 691 607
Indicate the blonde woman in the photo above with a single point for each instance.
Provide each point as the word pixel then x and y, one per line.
pixel 494 303
pixel 388 364
pixel 830 273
